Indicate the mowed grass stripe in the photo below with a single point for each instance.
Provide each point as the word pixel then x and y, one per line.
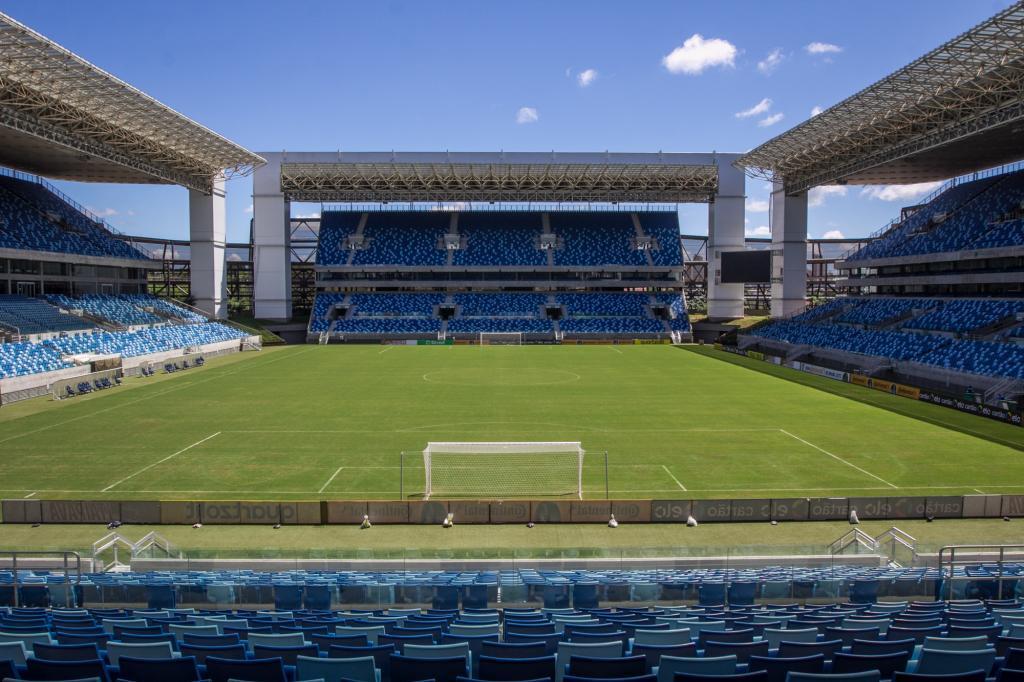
pixel 295 417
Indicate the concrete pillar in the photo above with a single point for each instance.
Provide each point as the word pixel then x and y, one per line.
pixel 271 243
pixel 207 233
pixel 725 233
pixel 789 251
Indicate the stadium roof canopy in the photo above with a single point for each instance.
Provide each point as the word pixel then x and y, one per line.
pixel 62 117
pixel 957 109
pixel 500 176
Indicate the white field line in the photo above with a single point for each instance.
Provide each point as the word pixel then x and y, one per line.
pixel 616 350
pixel 681 486
pixel 385 350
pixel 980 492
pixel 330 480
pixel 168 457
pixel 838 458
pixel 506 424
pixel 173 389
pixel 32 494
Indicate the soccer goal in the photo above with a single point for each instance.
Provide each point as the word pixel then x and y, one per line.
pixel 503 469
pixel 501 338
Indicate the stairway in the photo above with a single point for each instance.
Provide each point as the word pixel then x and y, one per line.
pixel 639 229
pixel 359 232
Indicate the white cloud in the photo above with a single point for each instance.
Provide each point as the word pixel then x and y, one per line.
pixel 822 48
pixel 770 120
pixel 306 216
pixel 818 195
pixel 527 115
pixel 759 231
pixel 898 192
pixel 771 62
pixel 585 78
pixel 760 108
pixel 834 234
pixel 816 110
pixel 248 209
pixel 103 212
pixel 757 206
pixel 697 54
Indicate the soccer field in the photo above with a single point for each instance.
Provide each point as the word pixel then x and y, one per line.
pixel 330 422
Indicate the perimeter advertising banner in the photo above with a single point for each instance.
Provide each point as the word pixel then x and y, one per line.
pixel 971 407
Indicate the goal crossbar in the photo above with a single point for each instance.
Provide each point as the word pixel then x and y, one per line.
pixel 503 468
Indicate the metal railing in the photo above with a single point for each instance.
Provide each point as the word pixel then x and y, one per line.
pixel 977 554
pixel 38 554
pixel 947 185
pixel 893 540
pixel 28 177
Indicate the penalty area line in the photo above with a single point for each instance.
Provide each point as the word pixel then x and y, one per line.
pixel 168 457
pixel 681 486
pixel 839 459
pixel 330 480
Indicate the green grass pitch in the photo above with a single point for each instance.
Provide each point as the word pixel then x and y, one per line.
pixel 329 422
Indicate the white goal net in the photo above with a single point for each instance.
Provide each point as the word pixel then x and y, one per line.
pixel 504 469
pixel 501 338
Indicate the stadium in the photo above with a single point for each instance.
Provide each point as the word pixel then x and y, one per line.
pixel 516 415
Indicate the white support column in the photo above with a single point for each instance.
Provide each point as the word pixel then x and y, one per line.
pixel 789 251
pixel 271 243
pixel 725 233
pixel 207 233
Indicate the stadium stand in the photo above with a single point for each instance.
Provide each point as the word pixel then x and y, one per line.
pixel 500 312
pixel 403 238
pixel 500 239
pixel 116 310
pixel 35 316
pixel 562 633
pixel 19 359
pixel 164 307
pixel 594 238
pixel 966 315
pixel 474 245
pixel 35 219
pixel 972 215
pixel 911 338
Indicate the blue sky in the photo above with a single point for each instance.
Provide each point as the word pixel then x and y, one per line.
pixel 529 75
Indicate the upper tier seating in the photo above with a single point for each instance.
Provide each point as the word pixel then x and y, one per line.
pixel 497 239
pixel 403 238
pixel 35 316
pixel 335 227
pixel 664 227
pixel 163 306
pixel 965 315
pixel 876 311
pixel 35 219
pixel 596 239
pixel 120 311
pixel 974 218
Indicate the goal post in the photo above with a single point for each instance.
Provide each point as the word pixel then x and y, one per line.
pixel 503 469
pixel 501 338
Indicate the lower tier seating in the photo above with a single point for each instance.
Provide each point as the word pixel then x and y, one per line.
pixel 19 359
